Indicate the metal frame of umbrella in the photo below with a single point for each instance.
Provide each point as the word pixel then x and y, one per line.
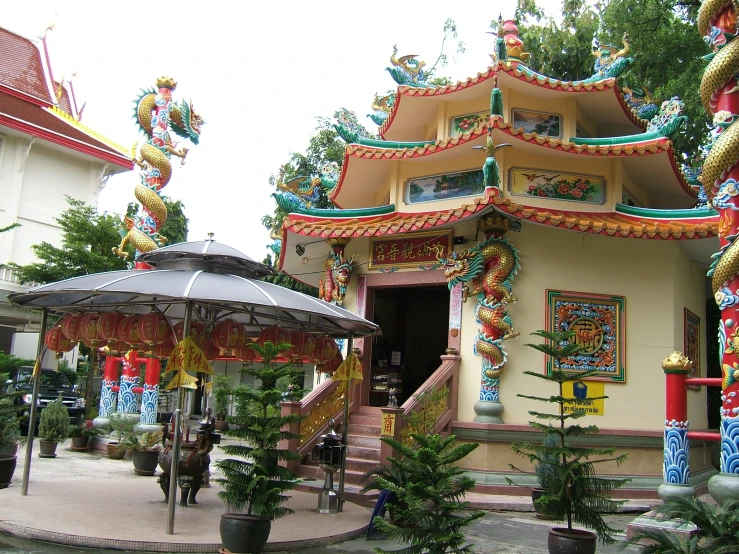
pixel 216 280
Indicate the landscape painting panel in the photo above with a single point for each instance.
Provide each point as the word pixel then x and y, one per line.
pixel 444 187
pixel 543 124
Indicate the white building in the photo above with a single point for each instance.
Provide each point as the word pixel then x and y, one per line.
pixel 45 154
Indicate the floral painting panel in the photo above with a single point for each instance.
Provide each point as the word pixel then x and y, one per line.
pixel 444 187
pixel 597 322
pixel 543 124
pixel 463 124
pixel 557 185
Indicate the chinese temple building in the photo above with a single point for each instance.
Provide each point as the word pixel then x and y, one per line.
pixel 498 206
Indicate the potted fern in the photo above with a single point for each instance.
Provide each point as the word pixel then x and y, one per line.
pixel 253 482
pixel 53 428
pixel 145 448
pixel 573 490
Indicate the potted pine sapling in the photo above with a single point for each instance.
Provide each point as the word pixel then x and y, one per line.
pixel 429 515
pixel 145 448
pixel 253 482
pixel 53 428
pixel 222 392
pixel 10 433
pixel 544 471
pixel 573 490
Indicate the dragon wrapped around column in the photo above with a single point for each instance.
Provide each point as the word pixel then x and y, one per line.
pixel 489 268
pixel 338 273
pixel 156 114
pixel 717 23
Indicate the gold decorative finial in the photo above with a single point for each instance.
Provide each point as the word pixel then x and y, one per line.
pixel 211 235
pixel 166 82
pixel 492 223
pixel 677 362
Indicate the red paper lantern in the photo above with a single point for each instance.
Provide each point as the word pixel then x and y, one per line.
pixel 89 331
pixel 196 332
pixel 127 331
pixel 311 342
pixel 117 347
pixel 70 326
pixel 211 351
pixel 298 341
pixel 325 350
pixel 153 328
pixel 275 335
pixel 228 334
pixel 244 352
pixel 56 341
pixel 164 349
pixel 108 326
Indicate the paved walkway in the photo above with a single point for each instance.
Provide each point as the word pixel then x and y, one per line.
pixel 88 500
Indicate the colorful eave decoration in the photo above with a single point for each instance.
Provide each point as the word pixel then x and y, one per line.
pixel 528 76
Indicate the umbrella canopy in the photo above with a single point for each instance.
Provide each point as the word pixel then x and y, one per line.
pixel 218 280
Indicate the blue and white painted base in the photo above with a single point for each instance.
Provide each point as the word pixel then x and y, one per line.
pixel 149 400
pixel 127 399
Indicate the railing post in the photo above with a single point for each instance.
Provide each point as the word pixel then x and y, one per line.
pixel 286 409
pixel 676 465
pixel 391 426
pixel 453 356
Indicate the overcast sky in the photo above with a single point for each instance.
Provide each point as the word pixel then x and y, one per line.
pixel 258 72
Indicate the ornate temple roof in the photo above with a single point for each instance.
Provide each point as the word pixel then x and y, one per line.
pixel 29 104
pixel 598 106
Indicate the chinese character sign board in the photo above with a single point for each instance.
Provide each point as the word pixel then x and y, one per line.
pixel 409 250
pixel 388 425
pixel 598 324
pixel 585 390
pixel 692 347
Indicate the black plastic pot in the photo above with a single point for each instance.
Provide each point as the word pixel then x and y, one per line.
pixel 561 541
pixel 244 534
pixel 7 468
pixel 145 462
pixel 79 444
pixel 47 449
pixel 221 425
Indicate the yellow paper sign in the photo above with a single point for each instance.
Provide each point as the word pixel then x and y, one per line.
pixel 388 425
pixel 585 390
pixel 349 369
pixel 185 357
pixel 36 367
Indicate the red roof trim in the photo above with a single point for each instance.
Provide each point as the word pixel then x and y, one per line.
pixel 24 96
pixel 56 138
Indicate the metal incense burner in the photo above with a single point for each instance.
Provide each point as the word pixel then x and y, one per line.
pixel 330 452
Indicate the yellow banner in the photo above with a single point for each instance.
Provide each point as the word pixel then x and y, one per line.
pixel 349 369
pixel 585 390
pixel 36 367
pixel 185 357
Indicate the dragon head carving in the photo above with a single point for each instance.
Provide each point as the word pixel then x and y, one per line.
pixel 186 122
pixel 461 266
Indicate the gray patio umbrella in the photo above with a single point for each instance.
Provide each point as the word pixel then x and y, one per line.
pixel 206 279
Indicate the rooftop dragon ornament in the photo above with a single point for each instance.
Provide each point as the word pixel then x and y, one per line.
pixel 717 23
pixel 610 62
pixel 407 70
pixel 156 114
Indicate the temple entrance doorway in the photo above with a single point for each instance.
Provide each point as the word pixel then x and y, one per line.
pixel 414 322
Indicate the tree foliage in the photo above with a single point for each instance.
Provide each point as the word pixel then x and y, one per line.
pixel 88 237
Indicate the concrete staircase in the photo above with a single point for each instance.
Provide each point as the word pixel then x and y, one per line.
pixel 362 455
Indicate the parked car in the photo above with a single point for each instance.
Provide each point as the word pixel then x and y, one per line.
pixel 53 385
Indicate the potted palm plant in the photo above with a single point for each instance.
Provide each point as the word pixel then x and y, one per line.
pixel 145 449
pixel 222 392
pixel 573 490
pixel 53 428
pixel 253 482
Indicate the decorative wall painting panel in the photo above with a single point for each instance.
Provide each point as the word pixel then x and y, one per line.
pixel 541 123
pixel 692 347
pixel 598 323
pixel 444 187
pixel 463 124
pixel 557 185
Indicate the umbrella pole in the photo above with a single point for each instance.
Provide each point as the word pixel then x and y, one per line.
pixel 34 403
pixel 345 428
pixel 176 438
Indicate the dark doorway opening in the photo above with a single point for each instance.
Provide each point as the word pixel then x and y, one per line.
pixel 414 323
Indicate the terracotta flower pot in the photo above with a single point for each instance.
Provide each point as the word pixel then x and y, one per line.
pixel 47 449
pixel 561 541
pixel 244 534
pixel 115 453
pixel 7 468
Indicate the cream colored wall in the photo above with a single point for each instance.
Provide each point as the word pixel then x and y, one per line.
pixel 643 271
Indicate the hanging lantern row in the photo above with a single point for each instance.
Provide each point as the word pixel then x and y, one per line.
pixel 151 333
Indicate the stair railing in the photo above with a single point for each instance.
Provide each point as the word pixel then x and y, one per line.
pixel 394 419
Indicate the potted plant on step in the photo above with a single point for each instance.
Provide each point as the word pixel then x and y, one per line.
pixel 145 449
pixel 428 514
pixel 573 491
pixel 122 425
pixel 254 483
pixel 53 428
pixel 222 392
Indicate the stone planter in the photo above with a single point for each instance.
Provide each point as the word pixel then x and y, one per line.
pixel 47 449
pixel 7 468
pixel 115 453
pixel 244 534
pixel 79 444
pixel 578 542
pixel 145 462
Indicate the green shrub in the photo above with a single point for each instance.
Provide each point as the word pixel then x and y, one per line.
pixel 55 421
pixel 10 430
